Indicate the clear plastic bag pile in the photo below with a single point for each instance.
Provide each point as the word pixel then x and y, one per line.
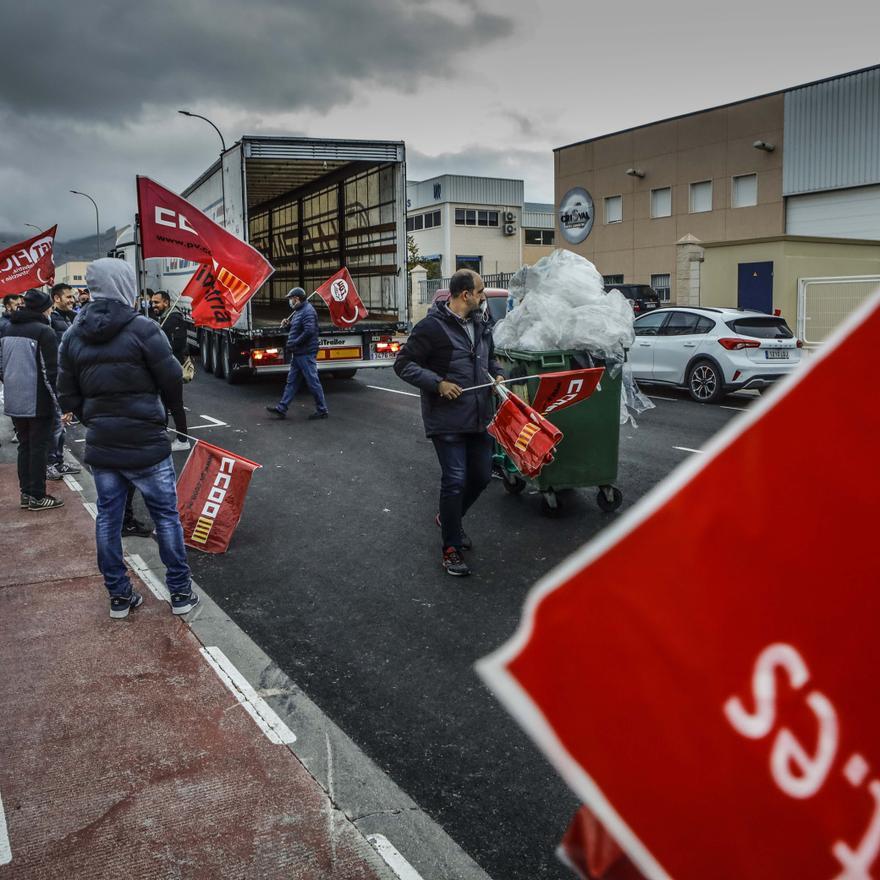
pixel 560 303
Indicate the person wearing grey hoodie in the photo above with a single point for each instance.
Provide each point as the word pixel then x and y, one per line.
pixel 117 374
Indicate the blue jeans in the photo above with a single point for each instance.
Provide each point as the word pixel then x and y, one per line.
pixel 466 470
pixel 303 366
pixel 56 445
pixel 158 486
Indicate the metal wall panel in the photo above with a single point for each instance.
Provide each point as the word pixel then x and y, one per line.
pixel 846 213
pixel 463 190
pixel 832 134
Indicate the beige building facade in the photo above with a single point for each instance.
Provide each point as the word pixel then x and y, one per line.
pixel 72 273
pixel 689 204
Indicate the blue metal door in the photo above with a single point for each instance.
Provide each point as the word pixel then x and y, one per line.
pixel 755 287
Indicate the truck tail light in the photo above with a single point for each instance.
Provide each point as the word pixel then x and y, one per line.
pixel 384 346
pixel 735 344
pixel 264 356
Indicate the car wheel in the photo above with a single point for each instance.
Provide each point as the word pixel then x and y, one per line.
pixel 705 382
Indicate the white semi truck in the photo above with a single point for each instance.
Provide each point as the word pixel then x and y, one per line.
pixel 310 206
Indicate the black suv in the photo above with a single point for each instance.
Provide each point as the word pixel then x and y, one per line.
pixel 642 297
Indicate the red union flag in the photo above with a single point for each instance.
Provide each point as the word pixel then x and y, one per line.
pixel 231 270
pixel 342 299
pixel 28 263
pixel 525 435
pixel 704 673
pixel 210 496
pixel 556 391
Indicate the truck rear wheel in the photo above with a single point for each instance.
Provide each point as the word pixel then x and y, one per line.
pixel 206 349
pixel 344 374
pixel 233 376
pixel 221 352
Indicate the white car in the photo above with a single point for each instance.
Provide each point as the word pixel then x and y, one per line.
pixel 712 352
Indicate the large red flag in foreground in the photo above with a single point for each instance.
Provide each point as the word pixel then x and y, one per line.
pixel 342 299
pixel 716 709
pixel 28 263
pixel 556 391
pixel 525 435
pixel 231 270
pixel 210 496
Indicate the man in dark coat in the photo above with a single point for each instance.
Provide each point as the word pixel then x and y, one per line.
pixel 302 346
pixel 117 374
pixel 174 327
pixel 61 317
pixel 29 370
pixel 450 349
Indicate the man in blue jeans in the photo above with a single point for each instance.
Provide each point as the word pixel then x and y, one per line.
pixel 118 375
pixel 302 345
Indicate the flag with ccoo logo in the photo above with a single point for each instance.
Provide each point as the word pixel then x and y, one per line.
pixel 210 496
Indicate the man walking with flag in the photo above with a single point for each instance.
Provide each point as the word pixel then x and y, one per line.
pixel 117 374
pixel 302 346
pixel 449 350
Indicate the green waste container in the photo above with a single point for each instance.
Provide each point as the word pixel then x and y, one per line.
pixel 588 453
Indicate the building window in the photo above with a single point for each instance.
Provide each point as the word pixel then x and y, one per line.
pixel 539 236
pixel 467 217
pixel 701 197
pixel 744 193
pixel 660 283
pixel 661 202
pixel 465 261
pixel 423 221
pixel 613 209
pixel 611 280
pixel 77 278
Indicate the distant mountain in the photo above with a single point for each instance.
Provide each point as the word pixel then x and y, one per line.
pixel 72 249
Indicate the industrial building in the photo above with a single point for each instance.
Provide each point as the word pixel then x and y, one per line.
pixel 770 203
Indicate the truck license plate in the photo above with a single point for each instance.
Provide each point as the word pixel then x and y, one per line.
pixel 776 354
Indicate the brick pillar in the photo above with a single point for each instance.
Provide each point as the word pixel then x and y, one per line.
pixel 688 261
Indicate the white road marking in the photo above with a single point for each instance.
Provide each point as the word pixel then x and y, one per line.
pixel 687 449
pixel 5 848
pixel 658 397
pixel 265 718
pixel 93 511
pixel 393 391
pixel 735 408
pixel 81 440
pixel 210 422
pixel 72 484
pixel 155 586
pixel 401 867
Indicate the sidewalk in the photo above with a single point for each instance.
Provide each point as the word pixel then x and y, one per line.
pixel 122 752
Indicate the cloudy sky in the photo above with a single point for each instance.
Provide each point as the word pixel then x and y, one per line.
pixel 89 90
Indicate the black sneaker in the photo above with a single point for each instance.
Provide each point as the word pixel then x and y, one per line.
pixel 25 500
pixel 47 502
pixel 454 564
pixel 121 605
pixel 66 469
pixel 53 472
pixel 134 528
pixel 277 412
pixel 466 542
pixel 183 603
pixel 318 415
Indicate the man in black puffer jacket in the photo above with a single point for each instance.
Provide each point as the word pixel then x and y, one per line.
pixel 450 349
pixel 116 369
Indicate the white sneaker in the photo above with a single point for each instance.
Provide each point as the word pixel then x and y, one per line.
pixel 180 446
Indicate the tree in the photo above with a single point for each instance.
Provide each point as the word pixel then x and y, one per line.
pixel 414 258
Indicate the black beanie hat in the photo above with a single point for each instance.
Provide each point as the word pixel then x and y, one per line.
pixel 37 300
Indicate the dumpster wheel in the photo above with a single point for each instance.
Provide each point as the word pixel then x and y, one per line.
pixel 609 498
pixel 513 483
pixel 551 504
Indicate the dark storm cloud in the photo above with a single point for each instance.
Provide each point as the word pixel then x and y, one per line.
pixel 104 59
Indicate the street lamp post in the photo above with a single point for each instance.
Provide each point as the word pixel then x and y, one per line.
pixel 223 150
pixel 33 226
pixel 97 222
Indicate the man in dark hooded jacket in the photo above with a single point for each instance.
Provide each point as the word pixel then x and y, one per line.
pixel 116 369
pixel 450 349
pixel 28 368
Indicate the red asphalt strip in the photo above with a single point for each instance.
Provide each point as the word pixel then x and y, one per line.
pixel 122 755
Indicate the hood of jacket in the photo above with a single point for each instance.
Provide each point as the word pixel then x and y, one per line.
pixel 103 319
pixel 26 316
pixel 112 279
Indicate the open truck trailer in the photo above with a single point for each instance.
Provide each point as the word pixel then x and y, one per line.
pixel 310 207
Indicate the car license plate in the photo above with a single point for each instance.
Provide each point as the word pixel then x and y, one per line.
pixel 384 354
pixel 776 354
pixel 650 305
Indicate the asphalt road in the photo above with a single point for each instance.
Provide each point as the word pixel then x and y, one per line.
pixel 335 572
